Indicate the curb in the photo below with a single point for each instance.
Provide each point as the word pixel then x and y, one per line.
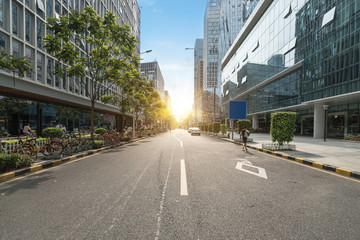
pixel 53 163
pixel 342 171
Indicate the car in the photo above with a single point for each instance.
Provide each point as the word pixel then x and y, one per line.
pixel 189 129
pixel 195 131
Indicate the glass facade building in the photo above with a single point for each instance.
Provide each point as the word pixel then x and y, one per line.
pixel 22 27
pixel 298 55
pixel 198 79
pixel 152 72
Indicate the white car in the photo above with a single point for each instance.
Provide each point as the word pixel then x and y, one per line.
pixel 195 131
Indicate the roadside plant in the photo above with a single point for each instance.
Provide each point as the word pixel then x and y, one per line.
pixel 283 127
pixel 52 132
pixel 100 131
pixel 98 144
pixel 244 123
pixel 211 127
pixel 223 129
pixel 9 162
pixel 216 127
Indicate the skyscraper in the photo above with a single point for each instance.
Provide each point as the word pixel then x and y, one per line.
pixel 198 79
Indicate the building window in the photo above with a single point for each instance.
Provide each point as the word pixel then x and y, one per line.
pixel 1 12
pixel 57 77
pixel 64 79
pixel 28 26
pixel 328 17
pixel 57 7
pixel 39 31
pixel 49 8
pixel 2 42
pixel 49 71
pixel 16 48
pixel 14 18
pixel 40 67
pixel 30 56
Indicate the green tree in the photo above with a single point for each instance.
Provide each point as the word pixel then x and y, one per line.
pixel 216 127
pixel 107 57
pixel 283 126
pixel 223 129
pixel 16 65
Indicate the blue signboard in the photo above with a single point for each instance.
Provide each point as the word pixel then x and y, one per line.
pixel 237 110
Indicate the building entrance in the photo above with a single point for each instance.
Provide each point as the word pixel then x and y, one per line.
pixel 336 125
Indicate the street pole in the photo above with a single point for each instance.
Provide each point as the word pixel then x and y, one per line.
pixel 325 107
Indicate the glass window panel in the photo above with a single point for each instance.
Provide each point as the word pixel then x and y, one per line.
pixel 40 61
pixel 57 77
pixel 39 31
pixel 328 17
pixel 40 5
pixel 49 72
pixel 2 41
pixel 64 78
pixel 49 5
pixel 14 18
pixel 29 53
pixel 57 7
pixel 1 12
pixel 16 48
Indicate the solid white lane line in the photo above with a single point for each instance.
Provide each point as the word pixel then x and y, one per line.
pixel 184 190
pixel 181 142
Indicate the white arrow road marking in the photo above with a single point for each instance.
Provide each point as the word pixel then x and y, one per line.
pixel 183 184
pixel 260 171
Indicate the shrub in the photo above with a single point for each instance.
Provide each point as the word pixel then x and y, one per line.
pixel 283 127
pixel 206 127
pixel 223 129
pixel 210 127
pixel 52 132
pixel 127 138
pixel 98 144
pixel 100 131
pixel 9 162
pixel 216 127
pixel 244 123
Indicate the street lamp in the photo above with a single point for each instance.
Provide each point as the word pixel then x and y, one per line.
pixel 147 51
pixel 325 107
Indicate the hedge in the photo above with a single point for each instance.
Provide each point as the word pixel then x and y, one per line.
pixel 244 123
pixel 283 127
pixel 52 132
pixel 223 129
pixel 98 144
pixel 216 128
pixel 9 162
pixel 100 131
pixel 210 127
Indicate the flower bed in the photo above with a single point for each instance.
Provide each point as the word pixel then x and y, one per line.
pixel 352 137
pixel 276 146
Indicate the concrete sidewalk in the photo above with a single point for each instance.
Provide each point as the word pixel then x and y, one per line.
pixel 335 152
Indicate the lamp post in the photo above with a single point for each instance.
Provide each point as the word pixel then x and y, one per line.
pixel 325 107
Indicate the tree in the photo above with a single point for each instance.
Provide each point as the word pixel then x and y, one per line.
pixel 15 64
pixel 96 48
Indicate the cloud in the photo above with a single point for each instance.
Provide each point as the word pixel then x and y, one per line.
pixel 155 10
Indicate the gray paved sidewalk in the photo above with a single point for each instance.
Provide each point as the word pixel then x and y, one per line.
pixel 336 152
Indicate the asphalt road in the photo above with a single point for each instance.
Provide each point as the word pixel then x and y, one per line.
pixel 177 186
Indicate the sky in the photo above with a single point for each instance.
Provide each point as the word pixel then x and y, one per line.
pixel 167 28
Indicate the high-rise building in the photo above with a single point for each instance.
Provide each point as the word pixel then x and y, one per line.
pixel 211 83
pixel 151 71
pixel 223 21
pixel 300 56
pixel 44 98
pixel 198 79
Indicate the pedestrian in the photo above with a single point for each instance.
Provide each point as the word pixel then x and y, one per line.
pixel 27 130
pixel 245 134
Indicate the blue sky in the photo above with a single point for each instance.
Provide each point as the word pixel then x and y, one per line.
pixel 167 28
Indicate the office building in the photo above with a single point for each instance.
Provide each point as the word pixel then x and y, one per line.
pixel 301 56
pixel 198 79
pixel 41 98
pixel 152 72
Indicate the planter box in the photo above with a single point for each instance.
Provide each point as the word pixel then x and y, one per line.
pixel 276 146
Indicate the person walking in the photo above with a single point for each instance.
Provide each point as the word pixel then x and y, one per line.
pixel 245 134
